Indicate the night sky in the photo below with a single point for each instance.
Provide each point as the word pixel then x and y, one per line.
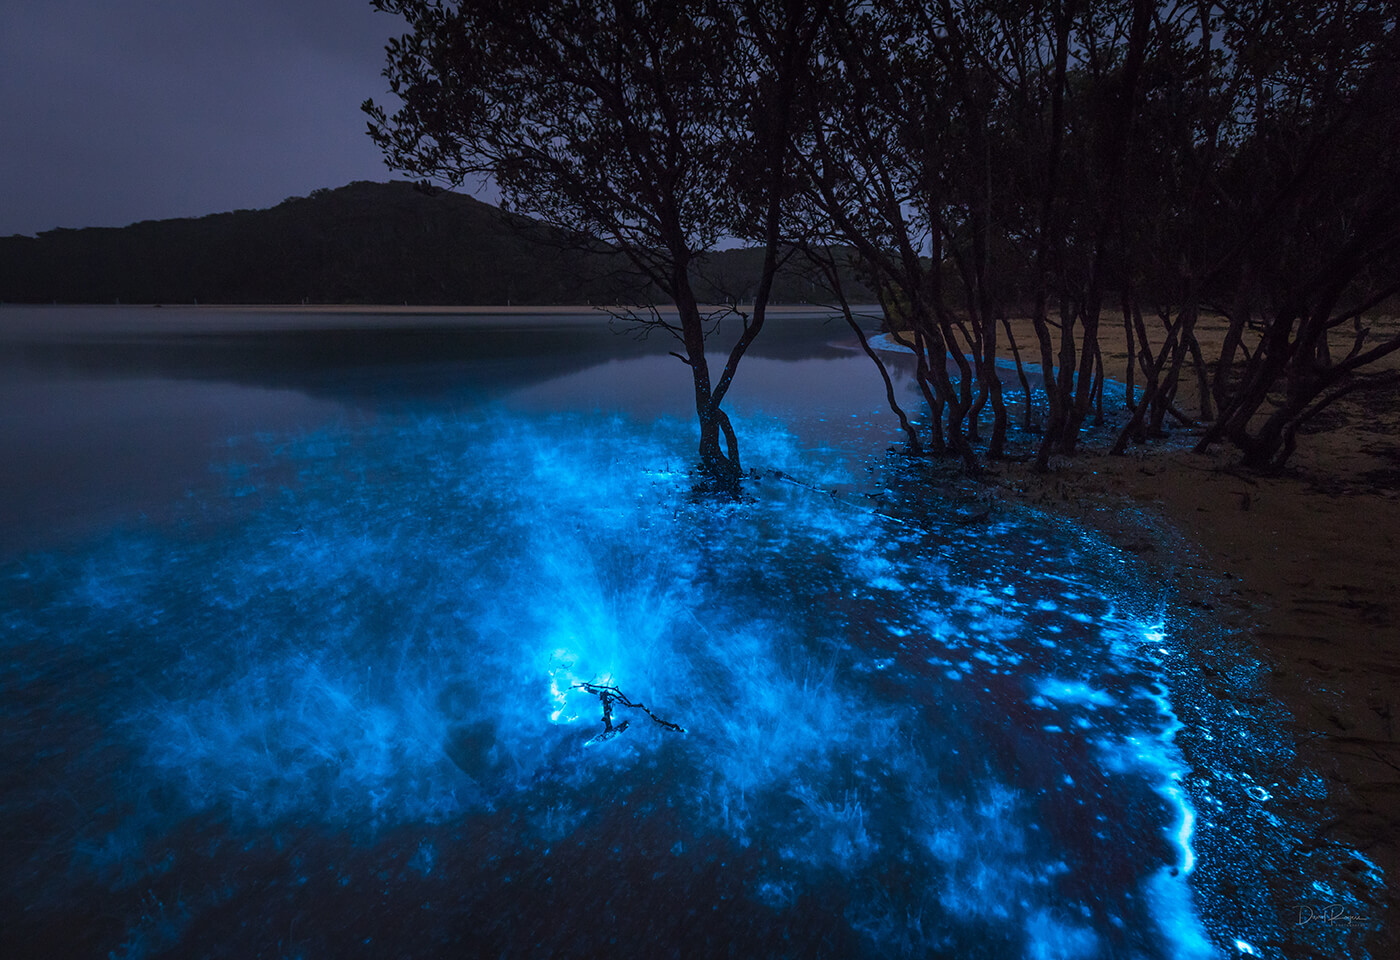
pixel 122 110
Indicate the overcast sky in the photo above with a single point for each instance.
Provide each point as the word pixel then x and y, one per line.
pixel 113 111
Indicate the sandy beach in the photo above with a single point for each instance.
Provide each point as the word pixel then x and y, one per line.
pixel 1306 564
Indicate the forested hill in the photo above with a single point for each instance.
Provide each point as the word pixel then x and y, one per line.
pixel 362 243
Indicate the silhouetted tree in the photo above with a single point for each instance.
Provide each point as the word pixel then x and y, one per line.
pixel 1070 158
pixel 1308 237
pixel 875 168
pixel 657 127
pixel 1050 155
pixel 975 155
pixel 1276 206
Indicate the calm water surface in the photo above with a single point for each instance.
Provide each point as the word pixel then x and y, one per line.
pixel 295 606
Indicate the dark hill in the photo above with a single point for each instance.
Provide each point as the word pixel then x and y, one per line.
pixel 362 243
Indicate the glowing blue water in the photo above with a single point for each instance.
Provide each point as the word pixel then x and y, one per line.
pixel 964 755
pixel 329 711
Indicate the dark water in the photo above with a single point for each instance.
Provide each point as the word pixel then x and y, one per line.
pixel 294 607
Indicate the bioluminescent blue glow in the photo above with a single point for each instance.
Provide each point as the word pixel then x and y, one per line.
pixel 340 714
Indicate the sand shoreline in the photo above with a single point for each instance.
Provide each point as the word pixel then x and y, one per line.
pixel 1305 564
pixel 1307 579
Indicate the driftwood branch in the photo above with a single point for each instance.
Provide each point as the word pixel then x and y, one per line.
pixel 609 695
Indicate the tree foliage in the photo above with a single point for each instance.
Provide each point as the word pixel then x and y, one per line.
pixel 1074 161
pixel 1081 163
pixel 655 127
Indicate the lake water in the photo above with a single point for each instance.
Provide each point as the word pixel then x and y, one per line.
pixel 296 607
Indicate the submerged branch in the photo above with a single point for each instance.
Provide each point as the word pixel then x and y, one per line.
pixel 609 695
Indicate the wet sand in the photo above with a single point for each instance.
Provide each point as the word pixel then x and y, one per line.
pixel 1305 563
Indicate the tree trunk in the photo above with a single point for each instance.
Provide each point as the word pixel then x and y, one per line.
pixel 717 467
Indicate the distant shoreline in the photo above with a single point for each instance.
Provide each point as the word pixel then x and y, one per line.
pixel 408 308
pixel 24 321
